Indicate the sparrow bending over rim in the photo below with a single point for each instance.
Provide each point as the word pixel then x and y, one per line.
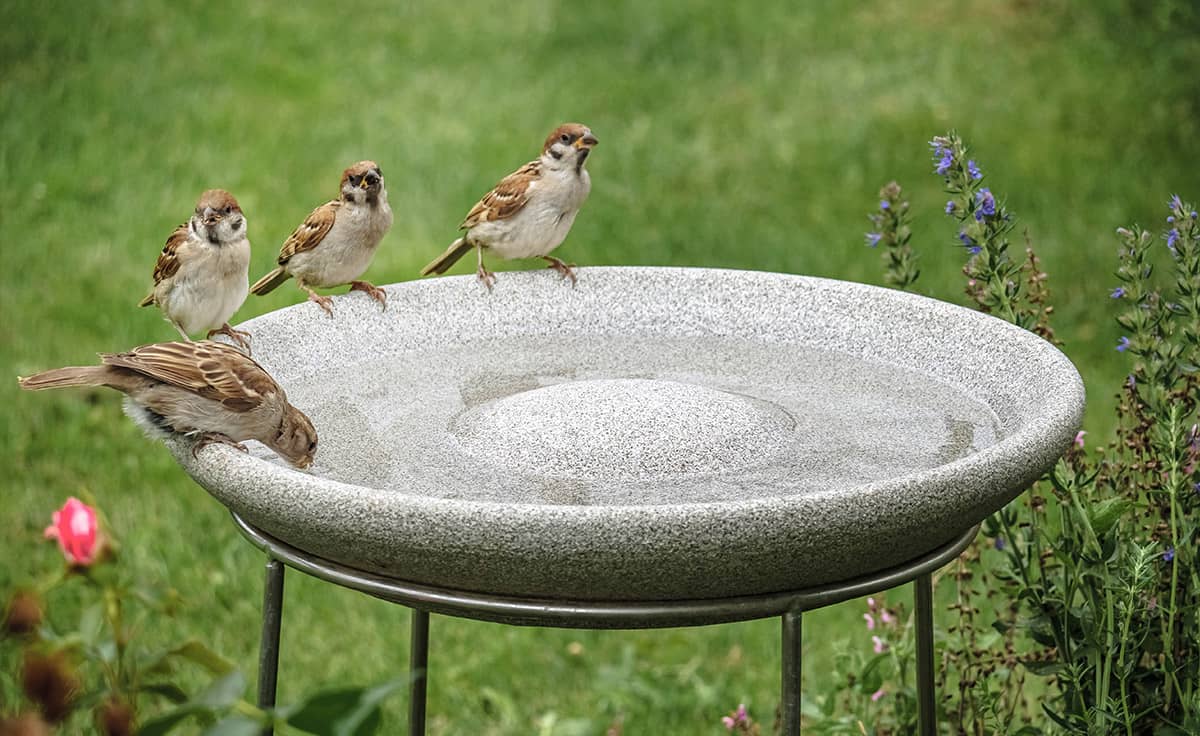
pixel 200 389
pixel 201 277
pixel 337 240
pixel 531 210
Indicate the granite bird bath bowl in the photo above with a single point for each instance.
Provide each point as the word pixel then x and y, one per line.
pixel 653 434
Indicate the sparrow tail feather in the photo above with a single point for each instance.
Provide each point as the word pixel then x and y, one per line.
pixel 442 263
pixel 88 375
pixel 267 283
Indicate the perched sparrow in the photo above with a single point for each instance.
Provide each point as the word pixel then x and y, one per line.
pixel 336 242
pixel 205 389
pixel 531 210
pixel 200 279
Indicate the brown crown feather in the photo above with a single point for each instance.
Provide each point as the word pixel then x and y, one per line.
pixel 359 169
pixel 218 199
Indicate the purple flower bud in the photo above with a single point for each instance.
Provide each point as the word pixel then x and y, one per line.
pixel 969 243
pixel 873 239
pixel 1122 346
pixel 1176 203
pixel 1172 238
pixel 974 171
pixel 1170 219
pixel 884 205
pixel 1169 555
pixel 950 207
pixel 1118 292
pixel 945 160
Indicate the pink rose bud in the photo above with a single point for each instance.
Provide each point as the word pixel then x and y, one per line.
pixel 77 531
pixel 880 645
pixel 875 696
pixel 870 621
pixel 1079 438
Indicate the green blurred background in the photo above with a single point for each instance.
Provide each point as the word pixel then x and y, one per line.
pixel 743 135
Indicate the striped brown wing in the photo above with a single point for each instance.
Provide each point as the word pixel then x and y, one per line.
pixel 506 199
pixel 311 232
pixel 210 369
pixel 168 260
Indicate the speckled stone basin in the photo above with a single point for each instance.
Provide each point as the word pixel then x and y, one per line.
pixel 652 434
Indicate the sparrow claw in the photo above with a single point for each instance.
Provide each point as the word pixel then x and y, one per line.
pixel 215 438
pixel 241 337
pixel 374 291
pixel 323 302
pixel 565 270
pixel 487 277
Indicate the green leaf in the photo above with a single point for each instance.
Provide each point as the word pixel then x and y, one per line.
pixel 349 712
pixel 1105 514
pixel 168 690
pixel 223 692
pixel 91 624
pixel 164 723
pixel 1044 668
pixel 192 650
pixel 238 725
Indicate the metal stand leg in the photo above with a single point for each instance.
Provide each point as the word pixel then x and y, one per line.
pixel 926 706
pixel 418 670
pixel 268 653
pixel 789 707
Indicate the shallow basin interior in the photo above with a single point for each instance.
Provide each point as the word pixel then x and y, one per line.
pixel 635 420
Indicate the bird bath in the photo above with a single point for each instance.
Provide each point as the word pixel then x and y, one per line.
pixel 654 434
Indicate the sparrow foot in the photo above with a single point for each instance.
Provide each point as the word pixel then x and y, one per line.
pixel 241 337
pixel 215 438
pixel 374 291
pixel 566 270
pixel 487 277
pixel 323 302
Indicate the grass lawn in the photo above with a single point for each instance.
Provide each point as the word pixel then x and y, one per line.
pixel 747 135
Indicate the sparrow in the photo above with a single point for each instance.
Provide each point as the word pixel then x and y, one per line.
pixel 335 243
pixel 203 389
pixel 201 276
pixel 531 210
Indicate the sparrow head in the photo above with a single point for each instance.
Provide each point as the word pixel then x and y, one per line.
pixel 569 145
pixel 362 182
pixel 297 438
pixel 218 218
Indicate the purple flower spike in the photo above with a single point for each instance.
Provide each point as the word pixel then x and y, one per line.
pixel 1172 238
pixel 1122 346
pixel 1118 292
pixel 1169 555
pixel 986 202
pixel 945 160
pixel 873 239
pixel 974 171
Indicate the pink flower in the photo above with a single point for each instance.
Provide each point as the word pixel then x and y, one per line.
pixel 875 696
pixel 880 645
pixel 886 616
pixel 1079 438
pixel 77 531
pixel 870 621
pixel 739 717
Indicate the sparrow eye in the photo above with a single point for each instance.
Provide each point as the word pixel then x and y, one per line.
pixel 565 138
pixel 228 210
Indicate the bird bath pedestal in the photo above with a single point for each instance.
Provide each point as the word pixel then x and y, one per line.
pixel 655 447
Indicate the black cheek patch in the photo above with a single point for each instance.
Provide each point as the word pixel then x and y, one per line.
pixel 237 226
pixel 555 154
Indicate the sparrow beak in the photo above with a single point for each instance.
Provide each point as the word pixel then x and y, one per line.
pixel 364 184
pixel 210 216
pixel 586 141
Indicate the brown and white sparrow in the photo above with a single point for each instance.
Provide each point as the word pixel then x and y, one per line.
pixel 201 277
pixel 337 240
pixel 204 389
pixel 531 210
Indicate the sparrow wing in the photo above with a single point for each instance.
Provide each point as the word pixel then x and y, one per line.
pixel 209 369
pixel 168 260
pixel 507 198
pixel 311 232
